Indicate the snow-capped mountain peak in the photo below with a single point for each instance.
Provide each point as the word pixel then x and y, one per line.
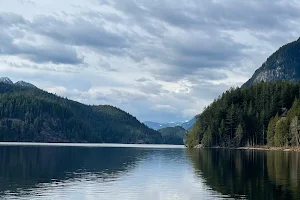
pixel 156 126
pixel 6 80
pixel 20 83
pixel 25 84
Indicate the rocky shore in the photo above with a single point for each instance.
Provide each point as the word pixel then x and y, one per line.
pixel 263 148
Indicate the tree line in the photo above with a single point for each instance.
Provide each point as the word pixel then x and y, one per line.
pixel 262 114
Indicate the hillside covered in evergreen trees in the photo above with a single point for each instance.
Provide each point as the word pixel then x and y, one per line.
pixel 29 114
pixel 264 113
pixel 173 135
pixel 264 110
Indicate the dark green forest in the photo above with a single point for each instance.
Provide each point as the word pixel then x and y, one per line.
pixel 32 115
pixel 262 114
pixel 173 135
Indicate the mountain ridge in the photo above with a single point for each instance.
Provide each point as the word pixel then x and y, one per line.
pixel 20 83
pixel 25 84
pixel 156 125
pixel 264 111
pixel 283 64
pixel 6 80
pixel 30 114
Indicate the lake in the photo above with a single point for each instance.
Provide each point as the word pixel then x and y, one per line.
pixel 147 172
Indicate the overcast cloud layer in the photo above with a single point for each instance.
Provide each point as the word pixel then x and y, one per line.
pixel 160 60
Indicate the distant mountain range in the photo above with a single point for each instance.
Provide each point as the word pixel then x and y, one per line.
pixel 156 126
pixel 284 64
pixel 189 124
pixel 21 83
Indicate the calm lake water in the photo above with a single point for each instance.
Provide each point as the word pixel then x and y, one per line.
pixel 146 172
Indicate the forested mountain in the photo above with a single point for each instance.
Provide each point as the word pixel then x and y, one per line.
pixel 284 64
pixel 173 135
pixel 30 114
pixel 264 113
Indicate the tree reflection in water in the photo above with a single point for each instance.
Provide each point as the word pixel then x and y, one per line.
pixel 26 167
pixel 249 174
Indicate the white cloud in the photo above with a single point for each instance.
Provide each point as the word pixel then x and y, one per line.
pixel 158 61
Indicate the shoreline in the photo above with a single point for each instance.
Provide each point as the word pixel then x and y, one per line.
pixel 45 144
pixel 259 148
pixel 266 148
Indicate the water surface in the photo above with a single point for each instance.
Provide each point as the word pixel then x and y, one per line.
pixel 145 172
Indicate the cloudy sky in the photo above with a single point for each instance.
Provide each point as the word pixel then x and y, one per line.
pixel 160 60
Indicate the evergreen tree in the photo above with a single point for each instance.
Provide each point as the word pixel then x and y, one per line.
pixel 271 131
pixel 207 138
pixel 281 133
pixel 239 135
